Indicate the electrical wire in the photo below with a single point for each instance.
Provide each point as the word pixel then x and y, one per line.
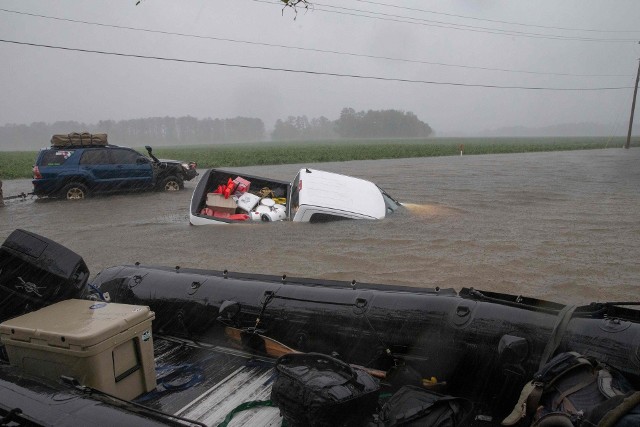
pixel 334 52
pixel 498 21
pixel 318 73
pixel 460 27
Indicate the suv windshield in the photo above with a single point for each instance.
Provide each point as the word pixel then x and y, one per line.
pixel 55 157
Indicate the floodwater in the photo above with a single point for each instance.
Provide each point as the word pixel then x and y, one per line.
pixel 561 226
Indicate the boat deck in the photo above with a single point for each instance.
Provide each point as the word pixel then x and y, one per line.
pixel 204 383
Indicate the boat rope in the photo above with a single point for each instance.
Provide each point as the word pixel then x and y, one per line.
pixel 246 406
pixel 72 382
pixel 363 312
pixel 22 196
pixel 564 317
pixel 267 298
pixel 171 378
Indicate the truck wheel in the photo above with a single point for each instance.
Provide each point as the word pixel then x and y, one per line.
pixel 170 183
pixel 74 191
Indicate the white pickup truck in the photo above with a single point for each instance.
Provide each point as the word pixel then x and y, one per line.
pixel 223 197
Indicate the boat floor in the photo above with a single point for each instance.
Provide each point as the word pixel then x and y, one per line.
pixel 204 383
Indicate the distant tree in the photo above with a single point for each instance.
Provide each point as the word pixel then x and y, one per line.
pixel 321 128
pixel 380 124
pixel 352 124
pixel 290 129
pixel 301 128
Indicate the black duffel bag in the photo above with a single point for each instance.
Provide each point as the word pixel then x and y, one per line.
pixel 317 390
pixel 413 406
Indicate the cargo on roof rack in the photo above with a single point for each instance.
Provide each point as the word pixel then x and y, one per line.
pixel 84 139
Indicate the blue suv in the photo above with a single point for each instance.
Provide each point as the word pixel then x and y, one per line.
pixel 74 172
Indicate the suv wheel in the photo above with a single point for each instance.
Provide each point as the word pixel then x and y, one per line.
pixel 74 191
pixel 171 183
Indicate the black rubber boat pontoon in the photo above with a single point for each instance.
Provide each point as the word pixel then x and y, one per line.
pixel 216 335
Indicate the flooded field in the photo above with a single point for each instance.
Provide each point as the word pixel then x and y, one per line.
pixel 563 226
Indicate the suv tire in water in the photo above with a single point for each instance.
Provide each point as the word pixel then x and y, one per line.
pixel 74 191
pixel 171 183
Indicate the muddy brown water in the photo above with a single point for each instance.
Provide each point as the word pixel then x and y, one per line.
pixel 561 226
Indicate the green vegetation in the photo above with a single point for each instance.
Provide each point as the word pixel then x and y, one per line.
pixel 18 164
pixel 269 153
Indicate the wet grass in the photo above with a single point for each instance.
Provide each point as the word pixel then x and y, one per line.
pixel 15 164
pixel 268 153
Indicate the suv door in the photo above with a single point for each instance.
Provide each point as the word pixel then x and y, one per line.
pixel 132 170
pixel 95 164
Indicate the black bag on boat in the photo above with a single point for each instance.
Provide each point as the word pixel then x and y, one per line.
pixel 315 390
pixel 571 390
pixel 413 406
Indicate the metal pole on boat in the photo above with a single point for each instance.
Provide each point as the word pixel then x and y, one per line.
pixel 633 108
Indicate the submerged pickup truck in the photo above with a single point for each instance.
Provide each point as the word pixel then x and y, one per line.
pixel 224 197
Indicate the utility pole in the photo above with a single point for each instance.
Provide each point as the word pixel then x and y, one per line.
pixel 633 108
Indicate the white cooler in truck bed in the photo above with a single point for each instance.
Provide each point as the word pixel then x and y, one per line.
pixel 106 346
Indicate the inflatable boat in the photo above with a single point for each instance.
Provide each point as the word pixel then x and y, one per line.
pixel 215 337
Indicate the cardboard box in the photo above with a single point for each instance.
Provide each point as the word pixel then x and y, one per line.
pixel 242 185
pixel 106 346
pixel 218 203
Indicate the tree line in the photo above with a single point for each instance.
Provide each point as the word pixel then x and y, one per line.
pixel 156 131
pixel 352 124
pixel 171 131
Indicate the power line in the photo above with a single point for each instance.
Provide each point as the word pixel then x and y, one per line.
pixel 318 73
pixel 460 27
pixel 498 21
pixel 334 52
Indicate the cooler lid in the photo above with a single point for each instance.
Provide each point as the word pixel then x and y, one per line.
pixel 75 322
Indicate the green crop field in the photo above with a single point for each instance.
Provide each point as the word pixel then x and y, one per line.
pixel 15 164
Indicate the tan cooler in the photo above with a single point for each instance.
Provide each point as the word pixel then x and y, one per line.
pixel 108 347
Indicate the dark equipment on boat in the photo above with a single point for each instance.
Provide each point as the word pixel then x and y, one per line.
pixel 36 271
pixel 413 406
pixel 316 390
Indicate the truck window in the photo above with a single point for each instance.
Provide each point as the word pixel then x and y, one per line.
pixel 325 217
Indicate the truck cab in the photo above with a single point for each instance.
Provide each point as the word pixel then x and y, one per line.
pixel 319 196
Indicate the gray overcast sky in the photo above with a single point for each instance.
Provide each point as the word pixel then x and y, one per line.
pixel 40 84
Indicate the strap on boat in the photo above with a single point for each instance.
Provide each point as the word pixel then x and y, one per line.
pixel 245 406
pixel 564 317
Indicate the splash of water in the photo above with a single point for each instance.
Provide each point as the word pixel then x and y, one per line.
pixel 428 210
